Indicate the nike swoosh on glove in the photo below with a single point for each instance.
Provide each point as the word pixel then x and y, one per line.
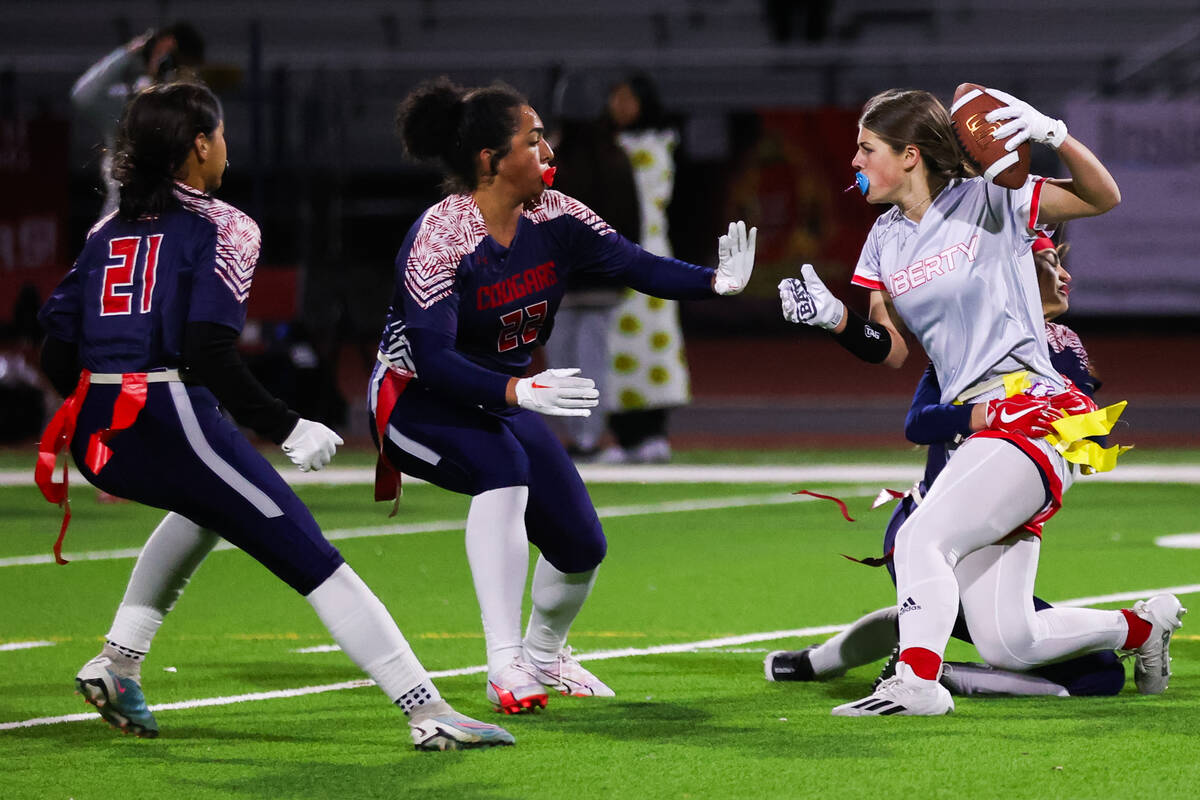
pixel 1020 413
pixel 311 445
pixel 558 393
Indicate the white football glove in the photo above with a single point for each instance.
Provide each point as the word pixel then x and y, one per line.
pixel 311 445
pixel 559 393
pixel 735 259
pixel 805 299
pixel 1025 122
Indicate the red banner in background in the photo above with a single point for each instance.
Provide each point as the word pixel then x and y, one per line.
pixel 34 160
pixel 791 185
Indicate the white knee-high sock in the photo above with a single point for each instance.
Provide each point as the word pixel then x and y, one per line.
pixel 557 599
pixel 366 633
pixel 498 553
pixel 869 638
pixel 171 556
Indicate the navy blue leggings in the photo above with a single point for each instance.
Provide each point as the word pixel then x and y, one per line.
pixel 182 455
pixel 469 450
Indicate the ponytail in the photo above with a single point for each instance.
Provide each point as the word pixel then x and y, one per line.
pixel 444 122
pixel 154 137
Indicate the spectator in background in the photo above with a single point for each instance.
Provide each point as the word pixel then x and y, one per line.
pixel 594 169
pixel 649 372
pixel 100 94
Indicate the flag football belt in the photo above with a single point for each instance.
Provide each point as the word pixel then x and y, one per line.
pixel 1070 436
pixel 387 477
pixel 61 431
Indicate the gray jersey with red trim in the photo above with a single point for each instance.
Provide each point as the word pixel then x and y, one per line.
pixel 963 281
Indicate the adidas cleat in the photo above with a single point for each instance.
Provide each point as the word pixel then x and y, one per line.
pixel 119 700
pixel 516 689
pixel 454 731
pixel 568 677
pixel 904 694
pixel 1152 660
pixel 789 665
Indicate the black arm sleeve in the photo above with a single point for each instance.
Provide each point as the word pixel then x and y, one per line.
pixel 211 356
pixel 864 338
pixel 60 362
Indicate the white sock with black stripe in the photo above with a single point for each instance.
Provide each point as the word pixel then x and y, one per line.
pixel 171 556
pixel 366 633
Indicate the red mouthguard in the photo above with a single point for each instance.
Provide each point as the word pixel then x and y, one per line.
pixel 548 175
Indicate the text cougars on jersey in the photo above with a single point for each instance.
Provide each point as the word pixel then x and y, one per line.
pixel 924 270
pixel 515 287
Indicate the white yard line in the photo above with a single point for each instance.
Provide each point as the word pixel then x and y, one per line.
pixel 626 652
pixel 666 507
pixel 24 645
pixel 710 473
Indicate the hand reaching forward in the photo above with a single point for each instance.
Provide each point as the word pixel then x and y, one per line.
pixel 805 299
pixel 735 259
pixel 558 393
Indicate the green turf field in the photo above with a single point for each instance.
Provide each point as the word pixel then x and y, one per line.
pixel 700 722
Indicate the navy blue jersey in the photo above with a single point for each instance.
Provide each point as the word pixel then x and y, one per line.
pixel 136 285
pixel 467 312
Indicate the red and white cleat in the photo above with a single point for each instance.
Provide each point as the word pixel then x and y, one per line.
pixel 515 689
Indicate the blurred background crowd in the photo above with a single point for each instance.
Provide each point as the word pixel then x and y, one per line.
pixel 671 118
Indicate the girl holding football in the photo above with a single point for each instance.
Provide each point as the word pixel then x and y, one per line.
pixel 941 426
pixel 952 257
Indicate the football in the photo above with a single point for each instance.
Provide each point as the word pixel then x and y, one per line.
pixel 976 137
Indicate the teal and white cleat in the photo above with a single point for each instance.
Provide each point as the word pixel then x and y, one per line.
pixel 453 731
pixel 118 699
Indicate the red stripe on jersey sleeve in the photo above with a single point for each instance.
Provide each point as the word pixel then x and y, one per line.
pixel 1034 202
pixel 867 283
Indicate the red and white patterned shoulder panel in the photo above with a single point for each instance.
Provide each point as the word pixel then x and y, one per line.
pixel 238 239
pixel 1060 337
pixel 451 230
pixel 555 204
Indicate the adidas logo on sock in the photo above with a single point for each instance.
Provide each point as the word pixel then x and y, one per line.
pixel 909 605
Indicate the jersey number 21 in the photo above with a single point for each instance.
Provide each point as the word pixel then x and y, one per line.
pixel 119 284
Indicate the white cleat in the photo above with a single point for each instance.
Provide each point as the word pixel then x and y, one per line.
pixel 903 694
pixel 567 676
pixel 516 688
pixel 1152 661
